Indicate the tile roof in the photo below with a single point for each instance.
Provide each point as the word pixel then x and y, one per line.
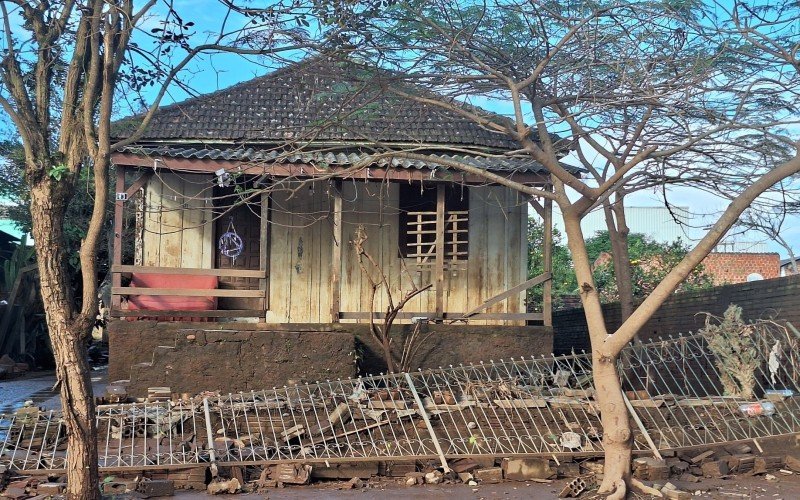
pixel 509 164
pixel 316 101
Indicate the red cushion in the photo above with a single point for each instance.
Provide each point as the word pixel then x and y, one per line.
pixel 172 302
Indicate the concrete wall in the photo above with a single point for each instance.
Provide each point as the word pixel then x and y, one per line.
pixel 238 357
pixel 774 298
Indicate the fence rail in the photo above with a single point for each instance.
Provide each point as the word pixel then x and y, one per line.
pixel 678 396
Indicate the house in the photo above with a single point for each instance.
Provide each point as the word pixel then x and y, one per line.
pixel 244 210
pixel 786 266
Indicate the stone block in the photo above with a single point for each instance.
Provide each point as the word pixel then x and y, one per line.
pixel 489 476
pixel 525 469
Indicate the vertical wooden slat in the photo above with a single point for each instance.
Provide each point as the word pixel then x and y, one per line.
pixel 547 257
pixel 336 253
pixel 440 237
pixel 119 205
pixel 263 251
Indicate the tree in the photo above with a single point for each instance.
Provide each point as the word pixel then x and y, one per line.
pixel 650 262
pixel 63 65
pixel 649 93
pixel 563 277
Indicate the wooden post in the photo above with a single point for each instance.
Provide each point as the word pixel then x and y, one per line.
pixel 547 257
pixel 336 254
pixel 263 253
pixel 440 237
pixel 119 206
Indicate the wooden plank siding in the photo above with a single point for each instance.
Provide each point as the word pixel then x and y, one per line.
pixel 177 222
pixel 300 253
pixel 179 233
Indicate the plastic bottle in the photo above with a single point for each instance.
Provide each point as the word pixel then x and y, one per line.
pixel 765 409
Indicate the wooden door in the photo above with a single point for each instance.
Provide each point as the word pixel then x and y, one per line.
pixel 247 224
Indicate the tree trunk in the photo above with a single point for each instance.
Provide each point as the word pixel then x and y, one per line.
pixel 68 338
pixel 614 416
pixel 618 235
pixel 613 412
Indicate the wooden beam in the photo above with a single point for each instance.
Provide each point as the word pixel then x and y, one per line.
pixel 186 292
pixel 263 254
pixel 138 183
pixel 147 313
pixel 542 278
pixel 188 271
pixel 119 207
pixel 447 316
pixel 440 236
pixel 336 254
pixel 303 170
pixel 547 257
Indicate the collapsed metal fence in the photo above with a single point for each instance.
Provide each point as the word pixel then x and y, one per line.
pixel 678 392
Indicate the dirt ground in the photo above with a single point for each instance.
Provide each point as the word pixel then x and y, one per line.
pixel 734 488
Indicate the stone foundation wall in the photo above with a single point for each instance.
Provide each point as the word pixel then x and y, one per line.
pixel 231 357
pixel 444 345
pixel 192 357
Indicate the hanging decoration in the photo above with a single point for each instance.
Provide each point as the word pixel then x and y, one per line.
pixel 230 243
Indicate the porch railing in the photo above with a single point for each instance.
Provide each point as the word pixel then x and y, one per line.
pixel 118 292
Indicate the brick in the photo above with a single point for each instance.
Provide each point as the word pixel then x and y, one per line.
pixel 50 488
pixel 155 488
pixel 717 468
pixel 489 476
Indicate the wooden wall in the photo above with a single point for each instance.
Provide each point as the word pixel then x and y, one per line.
pixel 497 251
pixel 302 242
pixel 177 222
pixel 300 254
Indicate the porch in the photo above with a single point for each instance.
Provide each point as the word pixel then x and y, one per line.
pixel 465 240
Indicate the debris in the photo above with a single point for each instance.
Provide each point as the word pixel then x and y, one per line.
pixel 415 478
pixel 525 469
pixel 362 470
pixel 699 458
pixel 355 484
pixel 577 486
pixel 716 468
pixel 571 440
pixel 650 469
pixel 489 476
pixel 291 474
pixel 220 487
pixel 792 463
pixel 568 469
pixel 50 488
pixel 155 488
pixel 770 477
pixel 464 465
pixel 434 477
pixel 465 477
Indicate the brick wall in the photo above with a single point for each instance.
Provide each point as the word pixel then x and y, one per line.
pixel 777 297
pixel 729 267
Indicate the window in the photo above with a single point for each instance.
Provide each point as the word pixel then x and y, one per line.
pixel 418 223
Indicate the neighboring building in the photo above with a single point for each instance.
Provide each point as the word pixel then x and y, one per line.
pixel 786 266
pixel 295 264
pixel 659 223
pixel 738 267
